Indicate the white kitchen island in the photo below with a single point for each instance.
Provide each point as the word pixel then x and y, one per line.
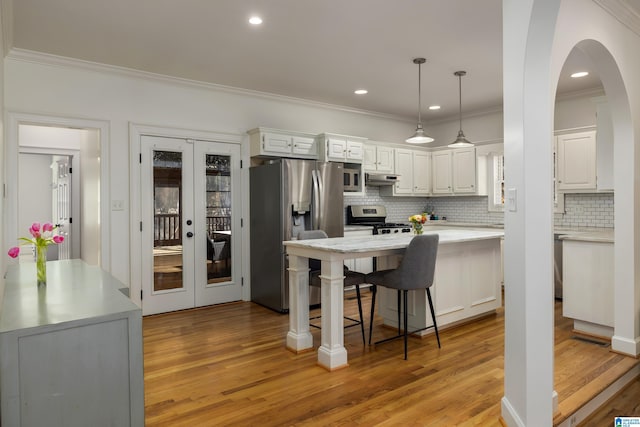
pixel 467 284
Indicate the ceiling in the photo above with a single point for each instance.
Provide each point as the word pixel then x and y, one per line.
pixel 309 49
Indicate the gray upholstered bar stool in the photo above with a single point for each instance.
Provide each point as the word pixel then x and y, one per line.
pixel 351 278
pixel 416 271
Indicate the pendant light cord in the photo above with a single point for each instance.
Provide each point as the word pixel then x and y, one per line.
pixel 460 99
pixel 419 92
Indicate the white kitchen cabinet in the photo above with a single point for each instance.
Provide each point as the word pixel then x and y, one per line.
pixel 277 143
pixel 441 170
pixel 341 148
pixel 588 285
pixel 421 173
pixel 464 170
pixel 361 265
pixel 378 158
pixel 413 168
pixel 576 161
pixel 454 171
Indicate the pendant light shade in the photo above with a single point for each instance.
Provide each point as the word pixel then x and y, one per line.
pixel 419 137
pixel 461 140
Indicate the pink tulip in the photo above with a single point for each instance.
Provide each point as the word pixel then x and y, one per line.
pixel 58 239
pixel 35 229
pixel 47 227
pixel 14 252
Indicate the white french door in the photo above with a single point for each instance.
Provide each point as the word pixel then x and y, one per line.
pixel 190 216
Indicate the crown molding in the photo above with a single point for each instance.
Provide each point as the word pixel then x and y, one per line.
pixel 585 93
pixel 24 55
pixel 623 12
pixel 494 109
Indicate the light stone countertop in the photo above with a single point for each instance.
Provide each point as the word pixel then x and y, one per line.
pixel 390 241
pixel 600 236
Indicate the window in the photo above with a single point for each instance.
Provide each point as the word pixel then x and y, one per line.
pixel 496 182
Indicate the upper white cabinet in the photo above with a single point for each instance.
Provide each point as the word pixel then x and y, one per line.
pixel 464 170
pixel 454 171
pixel 278 143
pixel 576 157
pixel 341 148
pixel 378 158
pixel 413 167
pixel 441 168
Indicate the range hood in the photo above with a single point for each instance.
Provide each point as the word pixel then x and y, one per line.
pixel 379 179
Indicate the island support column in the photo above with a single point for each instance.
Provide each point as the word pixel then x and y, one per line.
pixel 299 339
pixel 332 355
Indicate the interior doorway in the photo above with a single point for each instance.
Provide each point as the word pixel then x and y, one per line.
pixel 48 191
pixel 56 141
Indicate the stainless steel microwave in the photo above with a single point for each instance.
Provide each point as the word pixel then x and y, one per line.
pixel 352 179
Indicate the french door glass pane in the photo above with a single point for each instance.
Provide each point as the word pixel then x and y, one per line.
pixel 218 214
pixel 167 236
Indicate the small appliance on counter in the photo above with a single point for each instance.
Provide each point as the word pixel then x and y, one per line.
pixel 374 216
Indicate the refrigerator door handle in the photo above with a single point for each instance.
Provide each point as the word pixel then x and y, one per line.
pixel 315 209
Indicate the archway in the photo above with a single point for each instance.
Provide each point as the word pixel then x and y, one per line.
pixel 538 36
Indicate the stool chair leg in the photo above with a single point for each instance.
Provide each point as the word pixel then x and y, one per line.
pixel 374 290
pixel 399 293
pixel 433 317
pixel 406 318
pixel 360 311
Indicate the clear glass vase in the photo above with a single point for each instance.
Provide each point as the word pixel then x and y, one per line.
pixel 417 228
pixel 41 265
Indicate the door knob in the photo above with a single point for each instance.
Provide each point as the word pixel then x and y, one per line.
pixel 189 234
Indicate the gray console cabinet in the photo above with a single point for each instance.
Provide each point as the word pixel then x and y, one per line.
pixel 70 352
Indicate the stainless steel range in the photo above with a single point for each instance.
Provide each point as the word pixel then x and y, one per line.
pixel 375 216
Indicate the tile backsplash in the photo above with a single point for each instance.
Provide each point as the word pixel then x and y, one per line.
pixel 587 210
pixel 581 210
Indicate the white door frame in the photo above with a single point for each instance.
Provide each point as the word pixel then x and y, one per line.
pixel 14 120
pixel 135 133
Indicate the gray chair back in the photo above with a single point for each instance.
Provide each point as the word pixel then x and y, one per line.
pixel 312 234
pixel 417 268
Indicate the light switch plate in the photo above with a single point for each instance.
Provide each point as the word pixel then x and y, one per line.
pixel 511 201
pixel 117 205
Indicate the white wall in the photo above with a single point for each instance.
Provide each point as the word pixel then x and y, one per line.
pixel 532 64
pixel 4 245
pixel 121 98
pixel 570 112
pixel 90 197
pixel 34 195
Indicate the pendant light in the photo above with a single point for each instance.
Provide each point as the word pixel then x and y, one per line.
pixel 461 140
pixel 419 137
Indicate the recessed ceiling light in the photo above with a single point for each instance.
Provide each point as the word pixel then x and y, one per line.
pixel 361 92
pixel 579 74
pixel 434 107
pixel 255 20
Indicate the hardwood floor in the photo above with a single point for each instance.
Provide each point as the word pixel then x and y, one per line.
pixel 227 365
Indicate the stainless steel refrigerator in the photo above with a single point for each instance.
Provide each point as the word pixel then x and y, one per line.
pixel 288 196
